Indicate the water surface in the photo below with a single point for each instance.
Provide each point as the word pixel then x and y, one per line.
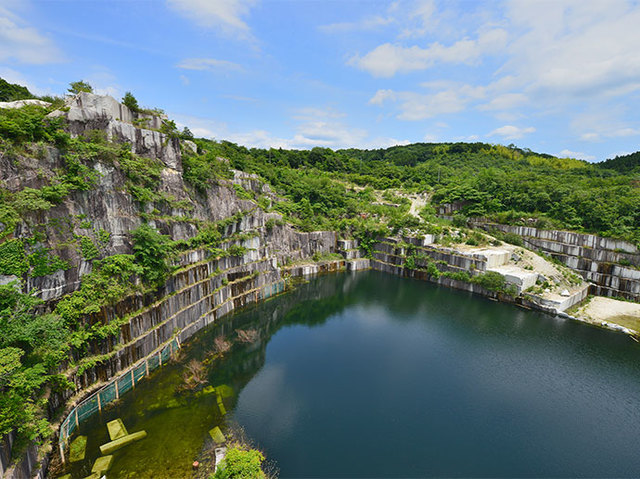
pixel 371 375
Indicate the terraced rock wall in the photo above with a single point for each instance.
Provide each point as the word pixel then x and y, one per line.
pixel 613 266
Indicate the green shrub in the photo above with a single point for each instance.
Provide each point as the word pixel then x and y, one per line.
pixel 88 248
pixel 208 235
pixel 410 262
pixel 458 276
pixel 460 220
pixel 433 270
pixel 241 463
pixel 151 250
pixel 242 193
pixel 42 262
pixel 490 280
pixel 104 236
pixel 236 250
pixel 13 260
pixel 111 280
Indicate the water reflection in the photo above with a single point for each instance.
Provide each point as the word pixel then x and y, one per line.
pixel 373 375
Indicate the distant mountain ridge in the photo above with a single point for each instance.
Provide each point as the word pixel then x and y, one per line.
pixel 623 164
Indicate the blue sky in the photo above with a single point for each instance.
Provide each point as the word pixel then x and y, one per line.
pixel 560 77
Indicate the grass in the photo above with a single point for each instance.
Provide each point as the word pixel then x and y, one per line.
pixel 626 320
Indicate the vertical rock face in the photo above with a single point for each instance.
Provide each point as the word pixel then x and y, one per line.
pixel 110 208
pixel 612 265
pixel 86 111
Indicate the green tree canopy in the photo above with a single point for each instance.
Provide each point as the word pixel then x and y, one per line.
pixel 80 86
pixel 130 102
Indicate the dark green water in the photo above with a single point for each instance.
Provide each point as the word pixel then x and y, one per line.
pixel 371 375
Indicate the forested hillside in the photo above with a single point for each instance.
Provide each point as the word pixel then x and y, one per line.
pixel 505 183
pixel 626 164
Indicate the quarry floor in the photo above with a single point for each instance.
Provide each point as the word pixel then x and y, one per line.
pixel 598 309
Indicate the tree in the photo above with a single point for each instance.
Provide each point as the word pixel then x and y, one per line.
pixel 151 250
pixel 186 134
pixel 130 102
pixel 12 92
pixel 80 86
pixel 169 128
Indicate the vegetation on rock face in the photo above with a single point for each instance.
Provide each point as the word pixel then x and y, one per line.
pixel 151 250
pixel 30 346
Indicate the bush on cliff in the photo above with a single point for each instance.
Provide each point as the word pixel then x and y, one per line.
pixel 151 250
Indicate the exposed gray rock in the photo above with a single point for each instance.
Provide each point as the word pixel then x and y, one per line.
pixel 22 103
pixel 189 146
pixel 6 279
pixel 597 259
pixel 87 111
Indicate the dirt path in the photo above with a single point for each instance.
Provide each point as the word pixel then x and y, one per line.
pixel 418 201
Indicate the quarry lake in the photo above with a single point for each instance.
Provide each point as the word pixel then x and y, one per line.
pixel 372 375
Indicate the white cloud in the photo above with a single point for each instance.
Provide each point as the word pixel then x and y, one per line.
pixel 324 127
pixel 511 132
pixel 576 47
pixel 421 19
pixel 610 133
pixel 603 123
pixel 626 132
pixel 575 154
pixel 104 82
pixel 368 23
pixel 23 43
pixel 415 106
pixel 592 136
pixel 210 64
pixel 547 56
pixel 471 138
pixel 12 76
pixel 224 14
pixel 388 59
pixel 505 101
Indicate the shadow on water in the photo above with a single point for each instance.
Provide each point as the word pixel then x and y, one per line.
pixel 177 420
pixel 340 337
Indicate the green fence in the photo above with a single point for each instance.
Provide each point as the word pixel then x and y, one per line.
pixel 272 289
pixel 112 391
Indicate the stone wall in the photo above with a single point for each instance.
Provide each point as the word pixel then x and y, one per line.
pixel 595 258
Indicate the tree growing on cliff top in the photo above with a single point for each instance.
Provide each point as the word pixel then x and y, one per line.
pixel 79 86
pixel 130 102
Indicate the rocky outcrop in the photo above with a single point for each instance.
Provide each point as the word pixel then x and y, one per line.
pixel 22 103
pixel 86 111
pixel 613 266
pixel 109 207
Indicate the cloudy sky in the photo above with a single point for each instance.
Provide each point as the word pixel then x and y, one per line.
pixel 560 77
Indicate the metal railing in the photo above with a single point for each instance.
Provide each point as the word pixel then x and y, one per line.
pixel 113 391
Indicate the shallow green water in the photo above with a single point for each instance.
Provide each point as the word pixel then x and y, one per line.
pixel 374 375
